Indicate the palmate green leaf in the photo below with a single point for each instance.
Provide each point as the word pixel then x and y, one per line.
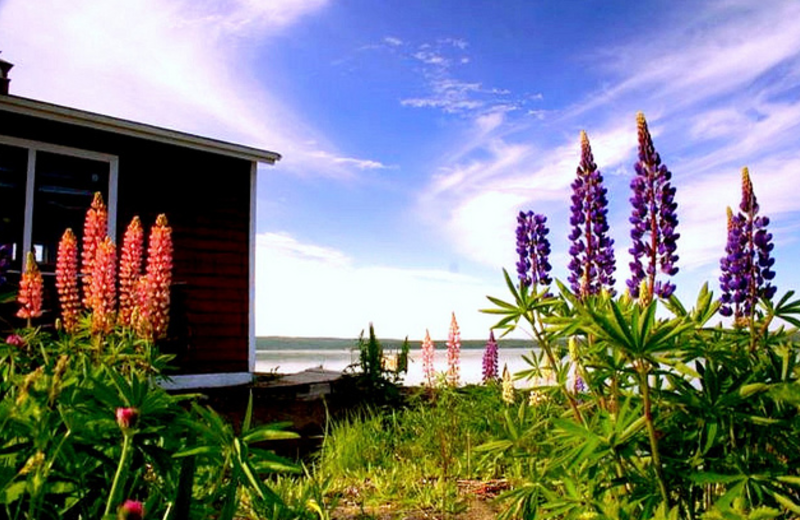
pixel 614 330
pixel 711 430
pixel 753 388
pixel 786 309
pixel 244 466
pixel 785 501
pixel 707 477
pixel 13 492
pixel 789 479
pixel 269 432
pixel 642 324
pixel 505 307
pixel 501 445
pixel 632 429
pixel 198 450
pixel 265 461
pixel 764 421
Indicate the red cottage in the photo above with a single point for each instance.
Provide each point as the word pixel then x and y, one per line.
pixel 54 158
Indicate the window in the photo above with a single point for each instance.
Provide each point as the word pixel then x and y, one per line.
pixel 45 189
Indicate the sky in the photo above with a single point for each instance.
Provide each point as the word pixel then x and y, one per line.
pixel 413 131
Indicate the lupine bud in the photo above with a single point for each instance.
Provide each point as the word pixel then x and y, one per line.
pixel 428 349
pixel 653 220
pixel 592 251
pixel 104 288
pixel 131 510
pixel 31 288
pixel 95 229
pixel 490 371
pixel 572 345
pixel 453 353
pixel 130 270
pixel 536 397
pixel 508 386
pixel 579 385
pixel 533 249
pixel 127 417
pixel 67 281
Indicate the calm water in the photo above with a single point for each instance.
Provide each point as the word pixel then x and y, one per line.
pixel 296 360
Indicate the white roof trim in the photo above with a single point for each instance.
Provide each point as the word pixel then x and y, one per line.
pixel 63 114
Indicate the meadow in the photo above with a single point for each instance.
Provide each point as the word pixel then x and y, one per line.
pixel 638 405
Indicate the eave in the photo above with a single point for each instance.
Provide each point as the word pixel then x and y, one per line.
pixel 49 111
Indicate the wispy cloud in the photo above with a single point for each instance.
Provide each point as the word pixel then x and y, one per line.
pixel 440 63
pixel 177 65
pixel 361 164
pixel 716 99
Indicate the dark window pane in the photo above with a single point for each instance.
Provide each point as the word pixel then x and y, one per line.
pixel 64 188
pixel 13 172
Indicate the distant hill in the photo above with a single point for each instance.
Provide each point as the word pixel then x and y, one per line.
pixel 289 343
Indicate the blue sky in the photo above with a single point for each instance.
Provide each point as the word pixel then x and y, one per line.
pixel 413 131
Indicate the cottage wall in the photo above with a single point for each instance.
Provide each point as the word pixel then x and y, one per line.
pixel 206 198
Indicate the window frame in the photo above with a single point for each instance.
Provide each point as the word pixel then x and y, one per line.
pixel 33 147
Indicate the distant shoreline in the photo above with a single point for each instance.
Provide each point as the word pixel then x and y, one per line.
pixel 324 343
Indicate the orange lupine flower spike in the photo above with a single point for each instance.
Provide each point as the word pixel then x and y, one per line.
pixel 154 297
pixel 30 290
pixel 103 289
pixel 95 229
pixel 130 270
pixel 67 280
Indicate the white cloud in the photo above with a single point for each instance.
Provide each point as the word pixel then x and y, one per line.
pixel 391 40
pixel 361 164
pixel 303 288
pixel 430 58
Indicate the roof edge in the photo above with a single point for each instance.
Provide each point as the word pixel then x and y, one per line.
pixel 96 121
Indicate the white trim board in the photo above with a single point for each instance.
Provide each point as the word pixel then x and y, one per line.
pixel 197 381
pixel 34 147
pixel 251 326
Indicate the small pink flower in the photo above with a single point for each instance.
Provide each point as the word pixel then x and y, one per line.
pixel 126 417
pixel 131 510
pixel 428 350
pixel 453 353
pixel 16 340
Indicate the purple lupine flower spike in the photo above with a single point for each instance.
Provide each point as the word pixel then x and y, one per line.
pixel 592 251
pixel 533 249
pixel 490 368
pixel 747 265
pixel 653 221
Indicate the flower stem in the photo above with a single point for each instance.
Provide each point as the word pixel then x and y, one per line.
pixel 119 477
pixel 651 430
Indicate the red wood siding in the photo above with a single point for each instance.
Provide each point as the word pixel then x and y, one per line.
pixel 206 199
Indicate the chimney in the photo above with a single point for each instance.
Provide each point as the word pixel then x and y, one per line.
pixel 4 80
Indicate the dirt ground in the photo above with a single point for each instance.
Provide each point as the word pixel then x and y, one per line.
pixel 477 504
